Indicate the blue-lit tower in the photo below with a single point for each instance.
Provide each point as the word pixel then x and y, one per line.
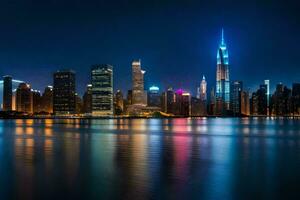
pixel 222 78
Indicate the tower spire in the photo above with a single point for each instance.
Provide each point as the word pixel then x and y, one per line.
pixel 222 39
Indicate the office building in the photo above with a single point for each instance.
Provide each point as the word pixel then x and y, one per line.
pixel 47 100
pixel 154 97
pixel 7 93
pixel 24 101
pixel 245 103
pixel 87 100
pixel 64 92
pixel 139 96
pixel 36 101
pixel 182 104
pixel 281 101
pixel 236 88
pixel 203 90
pixel 258 101
pixel 102 90
pixel 267 83
pixel 119 102
pixel 296 99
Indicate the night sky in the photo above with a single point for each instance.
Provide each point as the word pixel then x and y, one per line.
pixel 176 40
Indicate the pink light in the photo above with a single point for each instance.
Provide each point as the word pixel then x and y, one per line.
pixel 179 91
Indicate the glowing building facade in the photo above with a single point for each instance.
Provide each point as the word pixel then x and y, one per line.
pixel 139 96
pixel 24 101
pixel 102 90
pixel 203 89
pixel 222 78
pixel 154 97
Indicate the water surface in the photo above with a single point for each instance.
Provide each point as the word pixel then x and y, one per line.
pixel 150 159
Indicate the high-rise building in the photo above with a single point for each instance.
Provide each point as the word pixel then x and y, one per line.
pixel 212 102
pixel 236 88
pixel 119 102
pixel 222 79
pixel 267 83
pixel 170 99
pixel 296 99
pixel 259 101
pixel 203 89
pixel 198 107
pixel 87 100
pixel 7 93
pixel 47 100
pixel 182 104
pixel 15 85
pixel 154 97
pixel 64 92
pixel 245 104
pixel 139 96
pixel 281 101
pixel 102 90
pixel 24 101
pixel 78 104
pixel 36 101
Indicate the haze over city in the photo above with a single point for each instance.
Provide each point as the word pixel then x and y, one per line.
pixel 176 41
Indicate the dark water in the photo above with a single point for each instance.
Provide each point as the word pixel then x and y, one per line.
pixel 150 159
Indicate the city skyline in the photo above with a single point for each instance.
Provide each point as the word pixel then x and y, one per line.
pixel 261 43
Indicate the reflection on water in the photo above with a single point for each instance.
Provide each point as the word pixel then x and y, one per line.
pixel 150 159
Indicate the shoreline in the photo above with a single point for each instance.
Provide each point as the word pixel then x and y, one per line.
pixel 144 117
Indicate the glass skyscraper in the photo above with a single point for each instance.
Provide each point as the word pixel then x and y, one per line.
pixel 102 90
pixel 222 78
pixel 138 93
pixel 64 92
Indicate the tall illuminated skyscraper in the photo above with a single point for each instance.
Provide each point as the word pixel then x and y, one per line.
pixel 222 78
pixel 138 94
pixel 267 83
pixel 102 90
pixel 203 88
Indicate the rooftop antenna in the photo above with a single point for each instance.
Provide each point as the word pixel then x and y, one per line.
pixel 222 39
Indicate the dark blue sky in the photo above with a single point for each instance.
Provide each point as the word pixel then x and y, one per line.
pixel 176 40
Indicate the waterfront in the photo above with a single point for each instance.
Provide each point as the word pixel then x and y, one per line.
pixel 208 158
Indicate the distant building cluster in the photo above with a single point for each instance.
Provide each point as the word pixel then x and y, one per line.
pixel 227 98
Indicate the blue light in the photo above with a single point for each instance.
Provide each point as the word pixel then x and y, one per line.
pixel 154 88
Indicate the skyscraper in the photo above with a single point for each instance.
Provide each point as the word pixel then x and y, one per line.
pixel 7 93
pixel 267 83
pixel 64 92
pixel 203 89
pixel 15 85
pixel 281 101
pixel 235 97
pixel 102 90
pixel 259 101
pixel 182 104
pixel 119 102
pixel 36 101
pixel 245 103
pixel 24 101
pixel 138 93
pixel 296 99
pixel 47 100
pixel 222 78
pixel 154 97
pixel 87 100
